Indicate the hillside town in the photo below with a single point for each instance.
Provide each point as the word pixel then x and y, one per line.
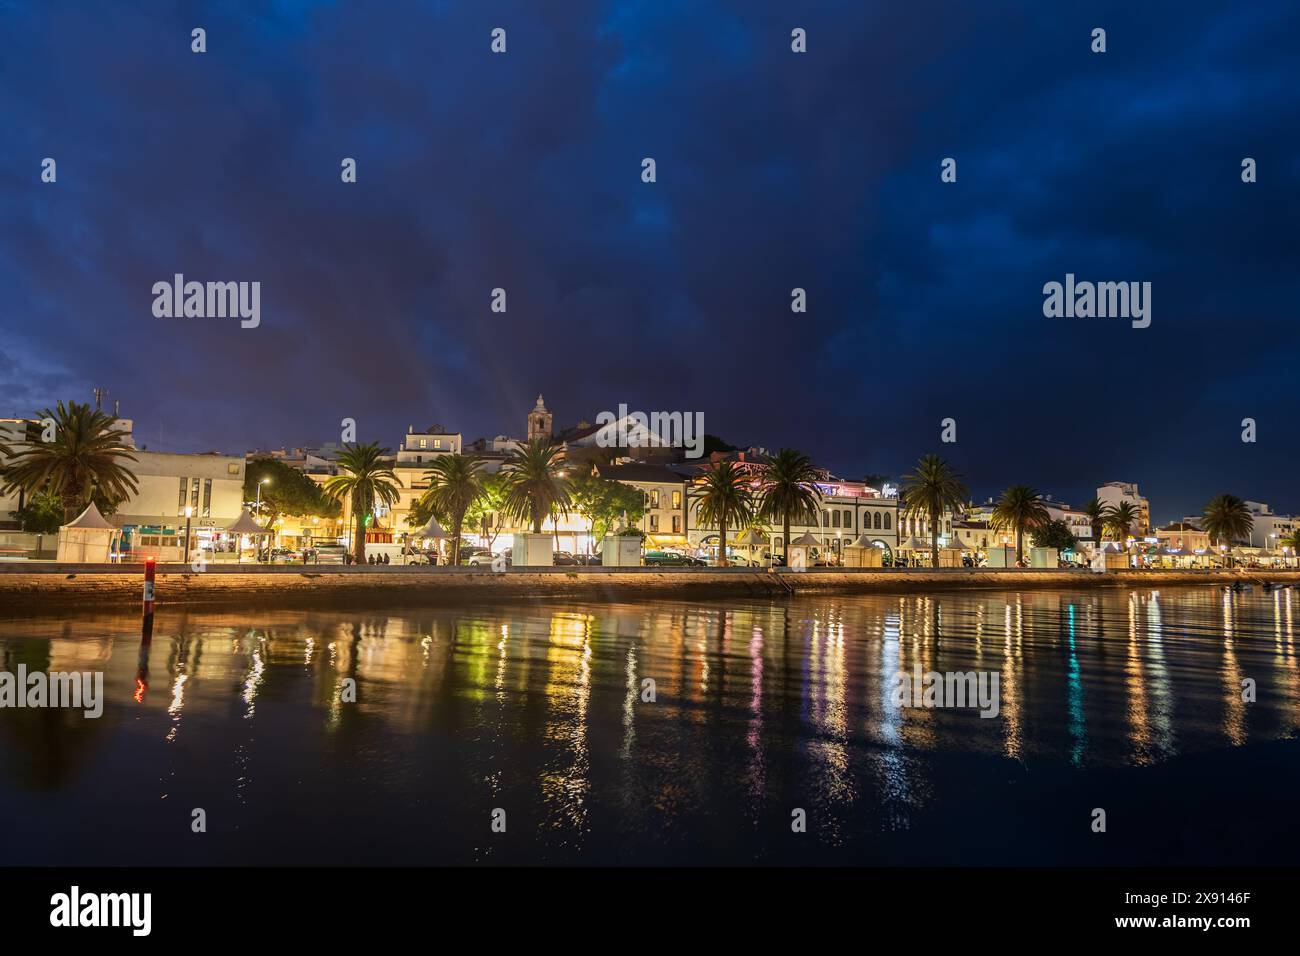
pixel 562 495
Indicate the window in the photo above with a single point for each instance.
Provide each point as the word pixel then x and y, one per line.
pixel 677 499
pixel 848 518
pixel 876 520
pixel 654 498
pixel 654 523
pixel 677 524
pixel 180 504
pixel 424 443
pixel 826 519
pixel 437 443
pixel 889 520
pixel 207 497
pixel 835 519
pixel 194 495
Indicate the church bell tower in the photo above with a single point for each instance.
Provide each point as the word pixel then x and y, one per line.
pixel 539 421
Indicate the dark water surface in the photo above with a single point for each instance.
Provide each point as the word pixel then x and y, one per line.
pixel 1125 700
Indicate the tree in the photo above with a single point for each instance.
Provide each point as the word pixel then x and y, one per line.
pixel 1291 541
pixel 367 479
pixel 86 457
pixel 41 514
pixel 724 499
pixel 933 488
pixel 789 492
pixel 486 511
pixel 1096 512
pixel 1020 508
pixel 537 486
pixel 1227 519
pixel 1055 534
pixel 455 482
pixel 287 491
pixel 604 501
pixel 1120 519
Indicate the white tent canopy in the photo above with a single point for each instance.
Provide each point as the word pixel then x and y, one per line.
pixel 431 530
pixel 245 524
pixel 91 518
pixel 753 538
pixel 89 538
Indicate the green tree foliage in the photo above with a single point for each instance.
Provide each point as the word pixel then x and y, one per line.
pixel 606 504
pixel 287 491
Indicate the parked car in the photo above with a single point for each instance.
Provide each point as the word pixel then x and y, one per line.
pixel 671 559
pixel 279 555
pixel 484 558
pixel 468 553
pixel 564 558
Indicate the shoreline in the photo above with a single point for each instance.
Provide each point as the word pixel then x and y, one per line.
pixel 58 587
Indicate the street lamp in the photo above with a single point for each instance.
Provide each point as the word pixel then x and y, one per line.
pixel 264 481
pixel 189 512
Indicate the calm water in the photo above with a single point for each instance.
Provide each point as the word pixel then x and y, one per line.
pixel 536 709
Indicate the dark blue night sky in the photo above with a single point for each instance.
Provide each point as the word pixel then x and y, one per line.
pixel 775 170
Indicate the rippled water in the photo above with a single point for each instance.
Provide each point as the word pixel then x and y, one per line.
pixel 760 709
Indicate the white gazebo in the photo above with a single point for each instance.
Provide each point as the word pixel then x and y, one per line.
pixel 245 525
pixel 799 548
pixel 432 531
pixel 88 539
pixel 863 553
pixel 751 539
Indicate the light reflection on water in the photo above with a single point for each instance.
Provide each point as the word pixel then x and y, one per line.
pixel 538 709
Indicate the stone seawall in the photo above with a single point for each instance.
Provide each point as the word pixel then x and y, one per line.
pixel 33 588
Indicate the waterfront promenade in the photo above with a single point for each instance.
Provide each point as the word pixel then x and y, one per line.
pixel 32 588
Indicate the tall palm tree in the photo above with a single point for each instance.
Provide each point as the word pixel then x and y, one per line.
pixel 933 488
pixel 455 482
pixel 1120 519
pixel 1020 509
pixel 367 479
pixel 1096 512
pixel 86 457
pixel 726 500
pixel 1225 519
pixel 538 487
pixel 789 492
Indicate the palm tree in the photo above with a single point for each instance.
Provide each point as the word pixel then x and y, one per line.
pixel 538 488
pixel 85 458
pixel 1096 512
pixel 725 499
pixel 933 488
pixel 367 479
pixel 455 482
pixel 1120 518
pixel 1020 509
pixel 1225 519
pixel 789 492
